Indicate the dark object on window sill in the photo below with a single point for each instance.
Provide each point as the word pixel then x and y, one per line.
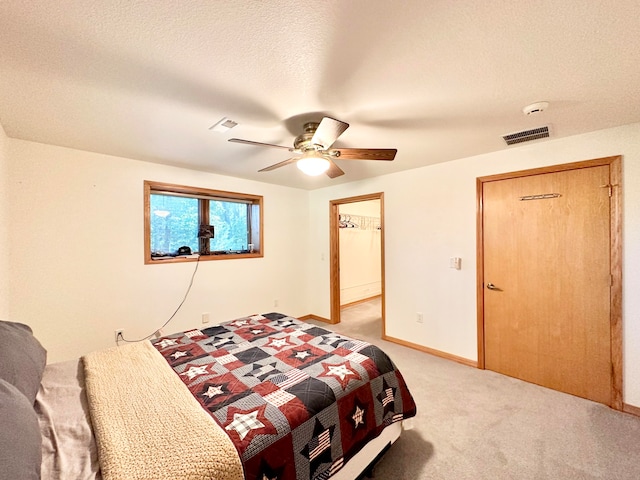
pixel 155 255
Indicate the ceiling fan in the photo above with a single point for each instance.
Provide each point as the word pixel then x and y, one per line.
pixel 314 153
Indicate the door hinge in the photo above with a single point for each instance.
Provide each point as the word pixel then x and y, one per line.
pixel 609 187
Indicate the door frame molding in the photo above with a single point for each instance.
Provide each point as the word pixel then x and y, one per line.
pixel 615 226
pixel 334 253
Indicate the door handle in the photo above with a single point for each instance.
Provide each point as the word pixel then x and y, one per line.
pixel 491 286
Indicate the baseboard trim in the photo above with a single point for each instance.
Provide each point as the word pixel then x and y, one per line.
pixel 432 351
pixel 358 302
pixel 311 316
pixel 404 343
pixel 631 409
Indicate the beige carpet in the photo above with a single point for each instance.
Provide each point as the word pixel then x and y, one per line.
pixel 476 424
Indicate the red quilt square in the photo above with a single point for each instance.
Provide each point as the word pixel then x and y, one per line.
pixel 220 352
pixel 341 352
pixel 357 419
pixel 290 405
pixel 226 359
pixel 275 461
pixel 264 320
pixel 214 392
pixel 265 388
pixel 301 355
pixel 252 332
pixel 371 368
pixel 183 354
pixel 305 337
pixel 295 411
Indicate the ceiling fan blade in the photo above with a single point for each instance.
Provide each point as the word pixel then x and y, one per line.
pixel 364 153
pixel 280 164
pixel 249 142
pixel 328 132
pixel 334 170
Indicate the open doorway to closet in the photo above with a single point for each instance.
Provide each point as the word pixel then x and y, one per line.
pixel 357 261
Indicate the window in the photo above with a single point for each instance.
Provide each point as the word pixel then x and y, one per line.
pixel 215 224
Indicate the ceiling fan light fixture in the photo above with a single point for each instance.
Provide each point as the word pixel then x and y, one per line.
pixel 313 165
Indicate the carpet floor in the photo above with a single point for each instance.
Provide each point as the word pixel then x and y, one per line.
pixel 477 424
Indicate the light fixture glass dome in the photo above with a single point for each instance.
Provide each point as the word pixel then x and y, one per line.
pixel 313 165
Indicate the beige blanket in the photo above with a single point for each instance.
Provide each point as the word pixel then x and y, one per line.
pixel 147 423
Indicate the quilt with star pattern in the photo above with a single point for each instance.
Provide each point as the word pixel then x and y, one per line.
pixel 297 400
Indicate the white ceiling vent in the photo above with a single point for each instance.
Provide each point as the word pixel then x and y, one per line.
pixel 526 135
pixel 223 125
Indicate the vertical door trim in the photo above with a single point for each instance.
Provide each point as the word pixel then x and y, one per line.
pixel 334 253
pixel 615 176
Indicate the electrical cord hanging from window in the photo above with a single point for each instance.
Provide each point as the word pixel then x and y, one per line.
pixel 193 275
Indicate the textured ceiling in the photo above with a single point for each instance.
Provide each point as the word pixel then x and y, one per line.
pixel 438 80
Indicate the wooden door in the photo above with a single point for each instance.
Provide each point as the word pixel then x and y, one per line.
pixel 547 280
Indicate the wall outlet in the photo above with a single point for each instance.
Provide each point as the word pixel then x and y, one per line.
pixel 275 302
pixel 119 334
pixel 205 317
pixel 419 317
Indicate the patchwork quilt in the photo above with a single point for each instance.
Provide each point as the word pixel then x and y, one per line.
pixel 298 401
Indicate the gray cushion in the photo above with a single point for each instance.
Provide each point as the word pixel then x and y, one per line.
pixel 22 358
pixel 20 441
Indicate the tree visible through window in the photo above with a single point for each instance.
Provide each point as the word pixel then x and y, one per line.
pixel 178 216
pixel 174 223
pixel 231 221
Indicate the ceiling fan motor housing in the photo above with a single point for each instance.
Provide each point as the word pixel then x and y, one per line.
pixel 303 141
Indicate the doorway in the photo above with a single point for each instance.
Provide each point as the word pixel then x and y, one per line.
pixel 549 277
pixel 355 224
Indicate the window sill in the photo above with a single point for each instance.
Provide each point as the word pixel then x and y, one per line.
pixel 202 258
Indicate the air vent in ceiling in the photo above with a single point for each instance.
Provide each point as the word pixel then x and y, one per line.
pixel 223 125
pixel 526 135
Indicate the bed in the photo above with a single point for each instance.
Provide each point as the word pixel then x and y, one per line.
pixel 260 397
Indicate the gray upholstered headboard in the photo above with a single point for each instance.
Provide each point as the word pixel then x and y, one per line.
pixel 22 362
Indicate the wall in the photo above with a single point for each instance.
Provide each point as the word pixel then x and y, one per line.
pixel 4 230
pixel 76 247
pixel 77 270
pixel 430 216
pixel 360 272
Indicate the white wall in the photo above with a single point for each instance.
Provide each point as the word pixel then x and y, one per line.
pixel 77 271
pixel 4 229
pixel 360 264
pixel 76 241
pixel 430 216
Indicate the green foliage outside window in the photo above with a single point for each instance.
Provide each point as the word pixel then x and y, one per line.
pixel 230 222
pixel 175 221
